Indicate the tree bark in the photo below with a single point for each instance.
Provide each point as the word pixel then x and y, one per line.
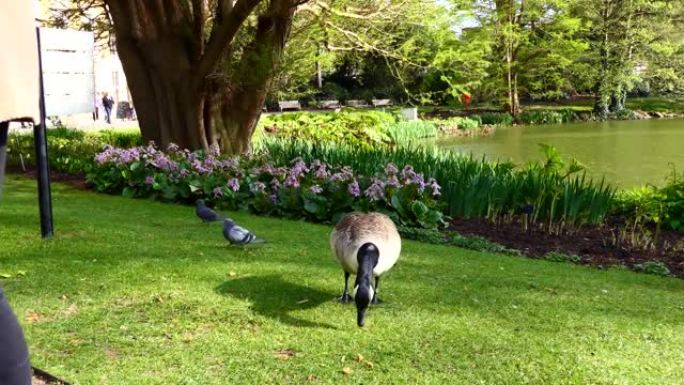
pixel 601 89
pixel 179 73
pixel 241 108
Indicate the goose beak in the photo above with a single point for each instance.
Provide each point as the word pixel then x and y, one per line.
pixel 360 317
pixel 363 294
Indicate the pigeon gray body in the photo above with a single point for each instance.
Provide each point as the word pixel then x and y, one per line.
pixel 205 213
pixel 237 235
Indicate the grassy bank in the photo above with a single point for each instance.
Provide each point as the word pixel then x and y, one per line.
pixel 140 292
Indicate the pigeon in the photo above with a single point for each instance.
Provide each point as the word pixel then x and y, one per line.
pixel 205 213
pixel 237 235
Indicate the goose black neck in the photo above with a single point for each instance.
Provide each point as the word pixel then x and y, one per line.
pixel 367 258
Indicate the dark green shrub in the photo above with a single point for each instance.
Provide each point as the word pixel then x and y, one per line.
pixel 650 204
pixel 69 150
pixel 480 244
pixel 653 267
pixel 555 256
pixel 494 118
pixel 547 116
pixel 457 122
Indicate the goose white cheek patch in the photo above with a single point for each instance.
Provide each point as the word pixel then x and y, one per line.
pixel 372 292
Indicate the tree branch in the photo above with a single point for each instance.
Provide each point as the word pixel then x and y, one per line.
pixel 221 36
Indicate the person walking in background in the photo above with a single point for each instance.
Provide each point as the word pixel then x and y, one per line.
pixel 108 104
pixel 98 107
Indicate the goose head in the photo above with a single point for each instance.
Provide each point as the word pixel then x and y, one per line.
pixel 367 257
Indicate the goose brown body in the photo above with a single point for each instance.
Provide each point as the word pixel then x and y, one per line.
pixel 356 229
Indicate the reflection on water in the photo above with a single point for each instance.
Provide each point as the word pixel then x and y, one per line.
pixel 628 153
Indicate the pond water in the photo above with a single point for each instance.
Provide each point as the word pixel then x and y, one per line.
pixel 627 153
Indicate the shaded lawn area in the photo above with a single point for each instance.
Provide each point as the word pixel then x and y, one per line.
pixel 140 292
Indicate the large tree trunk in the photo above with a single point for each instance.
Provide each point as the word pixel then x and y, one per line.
pixel 602 87
pixel 242 105
pixel 506 10
pixel 184 88
pixel 166 104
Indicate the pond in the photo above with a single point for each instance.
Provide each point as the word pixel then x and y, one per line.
pixel 627 153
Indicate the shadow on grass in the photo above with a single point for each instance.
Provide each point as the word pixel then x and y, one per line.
pixel 273 297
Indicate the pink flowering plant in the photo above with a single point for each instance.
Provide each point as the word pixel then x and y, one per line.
pixel 316 191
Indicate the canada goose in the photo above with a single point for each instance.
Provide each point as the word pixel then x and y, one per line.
pixel 366 245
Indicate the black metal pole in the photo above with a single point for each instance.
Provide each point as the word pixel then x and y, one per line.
pixel 4 127
pixel 40 140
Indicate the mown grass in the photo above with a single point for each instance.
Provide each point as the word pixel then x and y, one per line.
pixel 140 292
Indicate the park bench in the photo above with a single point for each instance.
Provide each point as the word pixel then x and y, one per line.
pixel 381 102
pixel 357 103
pixel 289 105
pixel 329 104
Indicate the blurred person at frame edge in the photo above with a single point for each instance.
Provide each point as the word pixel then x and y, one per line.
pixel 19 82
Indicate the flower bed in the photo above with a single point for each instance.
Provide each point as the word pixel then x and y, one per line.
pixel 314 191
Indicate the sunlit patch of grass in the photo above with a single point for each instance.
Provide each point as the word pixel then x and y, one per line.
pixel 140 292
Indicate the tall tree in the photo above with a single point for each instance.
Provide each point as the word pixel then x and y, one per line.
pixel 622 34
pixel 199 70
pixel 525 33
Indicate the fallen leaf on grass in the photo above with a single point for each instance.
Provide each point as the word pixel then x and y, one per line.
pixel 32 316
pixel 188 337
pixel 347 370
pixel 359 358
pixel 369 364
pixel 312 377
pixel 284 354
pixel 18 274
pixel 111 353
pixel 232 274
pixel 72 309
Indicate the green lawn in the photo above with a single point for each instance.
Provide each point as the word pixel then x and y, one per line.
pixel 140 292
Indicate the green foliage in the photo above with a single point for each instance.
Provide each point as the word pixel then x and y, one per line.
pixel 69 150
pixel 559 194
pixel 547 116
pixel 655 205
pixel 653 267
pixel 494 118
pixel 623 114
pixel 457 122
pixel 403 131
pixel 358 128
pixel 432 236
pixel 478 243
pixel 469 242
pixel 555 256
pixel 312 190
pixel 121 139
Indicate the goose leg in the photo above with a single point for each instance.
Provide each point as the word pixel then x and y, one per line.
pixel 376 300
pixel 345 298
